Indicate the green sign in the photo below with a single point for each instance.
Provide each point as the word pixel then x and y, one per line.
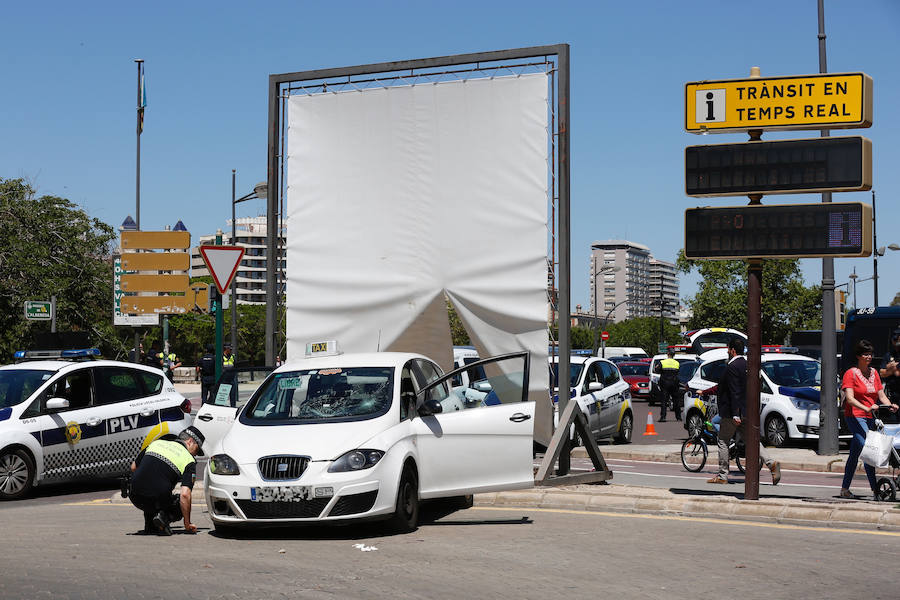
pixel 663 346
pixel 38 310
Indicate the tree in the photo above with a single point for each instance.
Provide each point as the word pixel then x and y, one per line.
pixel 896 300
pixel 787 304
pixel 51 247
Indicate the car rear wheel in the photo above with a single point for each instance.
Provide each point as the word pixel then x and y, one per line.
pixel 776 430
pixel 694 424
pixel 625 429
pixel 16 474
pixel 406 516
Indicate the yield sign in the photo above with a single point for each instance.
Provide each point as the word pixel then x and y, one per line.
pixel 222 262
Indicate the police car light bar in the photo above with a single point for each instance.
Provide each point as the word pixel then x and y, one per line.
pixel 75 353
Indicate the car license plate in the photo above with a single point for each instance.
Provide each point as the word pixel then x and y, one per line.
pixel 289 493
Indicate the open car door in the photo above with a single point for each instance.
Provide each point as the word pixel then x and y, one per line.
pixel 232 391
pixel 476 443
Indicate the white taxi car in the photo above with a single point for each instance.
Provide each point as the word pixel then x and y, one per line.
pixel 602 394
pixel 67 417
pixel 335 437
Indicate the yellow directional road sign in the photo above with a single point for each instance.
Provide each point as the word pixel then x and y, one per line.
pixel 150 240
pixel 826 101
pixel 156 261
pixel 155 283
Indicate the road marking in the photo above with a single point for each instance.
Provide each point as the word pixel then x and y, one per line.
pixel 96 502
pixel 691 519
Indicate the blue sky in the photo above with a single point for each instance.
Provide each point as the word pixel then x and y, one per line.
pixel 67 110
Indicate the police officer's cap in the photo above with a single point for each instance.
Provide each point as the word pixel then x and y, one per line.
pixel 196 435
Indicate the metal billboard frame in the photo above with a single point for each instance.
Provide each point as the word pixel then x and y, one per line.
pixel 280 86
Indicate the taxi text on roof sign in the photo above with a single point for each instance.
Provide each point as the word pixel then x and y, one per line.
pixel 826 101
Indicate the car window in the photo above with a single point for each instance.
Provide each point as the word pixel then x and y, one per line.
pixel 407 391
pixel 74 387
pixel 321 396
pixel 235 386
pixel 574 373
pixel 152 383
pixel 687 370
pixel 634 369
pixel 793 373
pixel 427 372
pixel 610 373
pixel 117 384
pixel 593 375
pixel 713 371
pixel 17 385
pixel 506 382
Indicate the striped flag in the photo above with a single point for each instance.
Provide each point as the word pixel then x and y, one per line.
pixel 142 103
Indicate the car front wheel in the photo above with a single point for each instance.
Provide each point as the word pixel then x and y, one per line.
pixel 16 474
pixel 776 430
pixel 406 516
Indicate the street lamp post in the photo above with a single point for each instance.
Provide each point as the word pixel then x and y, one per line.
pixel 875 254
pixel 605 320
pixel 601 270
pixel 259 191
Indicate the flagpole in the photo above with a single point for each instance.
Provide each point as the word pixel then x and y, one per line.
pixel 137 190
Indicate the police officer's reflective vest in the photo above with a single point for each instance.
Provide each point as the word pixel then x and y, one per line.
pixel 669 370
pixel 227 361
pixel 167 361
pixel 172 453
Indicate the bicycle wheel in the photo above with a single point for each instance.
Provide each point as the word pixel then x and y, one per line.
pixel 693 454
pixel 737 460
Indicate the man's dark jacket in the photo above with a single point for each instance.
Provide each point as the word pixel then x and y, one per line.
pixel 732 396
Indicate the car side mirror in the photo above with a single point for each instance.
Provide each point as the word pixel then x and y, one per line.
pixel 595 386
pixel 57 404
pixel 430 407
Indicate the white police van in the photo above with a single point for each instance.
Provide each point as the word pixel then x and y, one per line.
pixel 64 416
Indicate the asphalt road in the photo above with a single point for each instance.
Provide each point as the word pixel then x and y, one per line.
pixel 88 550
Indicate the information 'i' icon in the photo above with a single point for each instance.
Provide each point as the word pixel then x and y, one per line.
pixel 710 106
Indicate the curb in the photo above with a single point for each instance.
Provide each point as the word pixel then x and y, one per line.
pixel 635 500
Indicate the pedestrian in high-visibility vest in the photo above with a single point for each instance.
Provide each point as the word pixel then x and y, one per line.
pixel 169 363
pixel 227 358
pixel 668 386
pixel 156 470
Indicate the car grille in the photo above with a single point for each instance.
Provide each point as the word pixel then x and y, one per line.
pixel 280 468
pixel 306 509
pixel 354 504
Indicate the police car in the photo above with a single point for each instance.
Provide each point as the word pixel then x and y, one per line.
pixel 64 416
pixel 602 394
pixel 336 437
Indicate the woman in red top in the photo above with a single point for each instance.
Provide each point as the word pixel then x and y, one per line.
pixel 863 392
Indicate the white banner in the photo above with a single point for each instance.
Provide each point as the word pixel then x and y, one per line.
pixel 399 196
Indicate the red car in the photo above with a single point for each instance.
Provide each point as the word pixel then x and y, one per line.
pixel 637 374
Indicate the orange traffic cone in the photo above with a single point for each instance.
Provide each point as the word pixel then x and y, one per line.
pixel 651 429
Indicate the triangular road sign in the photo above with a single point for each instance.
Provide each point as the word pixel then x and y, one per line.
pixel 222 262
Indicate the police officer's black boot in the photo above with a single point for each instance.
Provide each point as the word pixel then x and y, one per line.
pixel 161 524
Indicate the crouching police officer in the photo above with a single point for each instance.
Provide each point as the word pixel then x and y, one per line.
pixel 156 471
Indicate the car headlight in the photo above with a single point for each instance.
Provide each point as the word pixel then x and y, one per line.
pixel 801 404
pixel 356 460
pixel 222 464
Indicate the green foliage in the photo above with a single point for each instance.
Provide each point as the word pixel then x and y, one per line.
pixel 787 304
pixel 51 247
pixel 896 300
pixel 457 330
pixel 643 332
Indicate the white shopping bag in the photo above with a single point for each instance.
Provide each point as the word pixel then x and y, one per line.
pixel 877 449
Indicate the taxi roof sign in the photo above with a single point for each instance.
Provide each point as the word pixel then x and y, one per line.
pixel 824 101
pixel 326 348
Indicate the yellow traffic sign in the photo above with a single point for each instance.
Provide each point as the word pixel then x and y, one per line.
pixel 155 283
pixel 149 240
pixel 156 261
pixel 826 101
pixel 161 305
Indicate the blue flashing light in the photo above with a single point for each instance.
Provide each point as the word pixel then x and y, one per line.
pixel 80 353
pixel 5 413
pixel 19 354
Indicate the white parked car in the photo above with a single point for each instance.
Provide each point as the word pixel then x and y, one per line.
pixel 67 417
pixel 335 437
pixel 789 395
pixel 602 394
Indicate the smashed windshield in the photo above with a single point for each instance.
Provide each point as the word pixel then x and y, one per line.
pixel 793 373
pixel 17 385
pixel 322 395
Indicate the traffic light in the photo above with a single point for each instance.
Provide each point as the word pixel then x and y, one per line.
pixel 837 164
pixel 779 231
pixel 840 313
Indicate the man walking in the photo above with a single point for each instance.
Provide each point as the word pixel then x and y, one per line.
pixel 668 385
pixel 890 369
pixel 732 402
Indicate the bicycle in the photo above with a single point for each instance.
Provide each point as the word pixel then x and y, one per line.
pixel 694 450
